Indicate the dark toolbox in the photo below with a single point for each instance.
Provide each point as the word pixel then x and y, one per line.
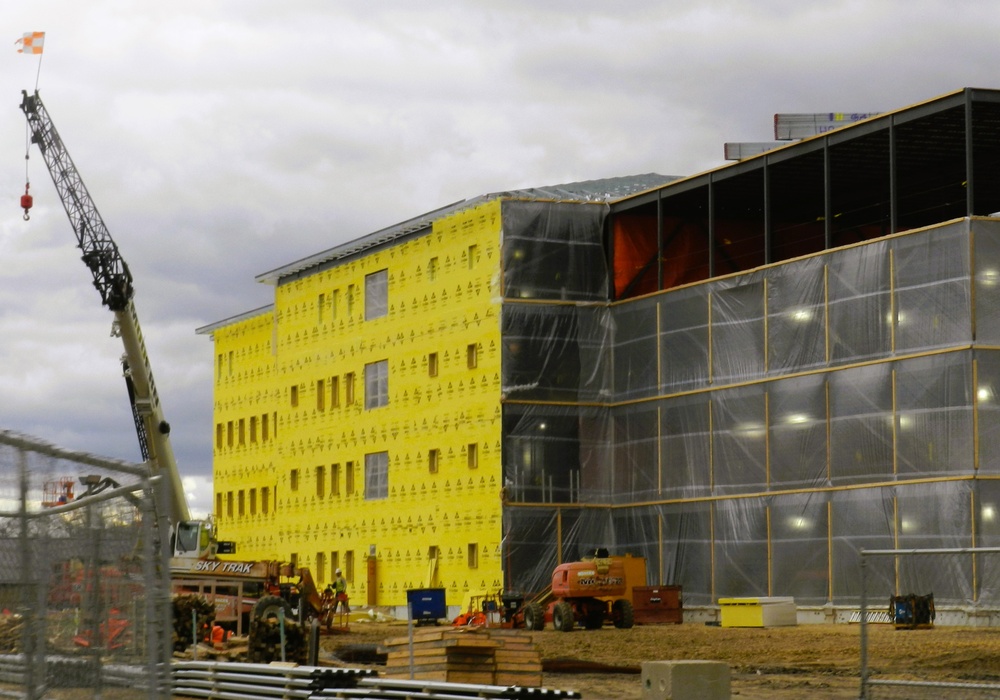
pixel 657 605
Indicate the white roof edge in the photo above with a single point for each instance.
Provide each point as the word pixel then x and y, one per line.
pixel 212 327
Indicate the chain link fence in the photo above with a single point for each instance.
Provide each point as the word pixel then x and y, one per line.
pixel 894 603
pixel 84 576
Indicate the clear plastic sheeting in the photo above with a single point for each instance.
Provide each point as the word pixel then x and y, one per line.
pixel 554 252
pixel 750 435
pixel 556 454
pixel 556 353
pixel 860 304
pixel 987 447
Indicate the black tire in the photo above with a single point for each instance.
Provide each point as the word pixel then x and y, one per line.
pixel 534 617
pixel 267 608
pixel 623 614
pixel 562 617
pixel 263 640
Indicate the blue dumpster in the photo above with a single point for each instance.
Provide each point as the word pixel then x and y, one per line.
pixel 427 605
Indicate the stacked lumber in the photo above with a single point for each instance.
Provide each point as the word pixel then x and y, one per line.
pixel 465 655
pixel 518 661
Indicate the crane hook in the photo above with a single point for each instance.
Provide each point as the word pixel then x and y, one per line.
pixel 26 201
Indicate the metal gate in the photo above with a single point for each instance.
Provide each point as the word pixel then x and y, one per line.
pixel 896 572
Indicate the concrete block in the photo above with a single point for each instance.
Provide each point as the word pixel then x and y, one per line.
pixel 685 680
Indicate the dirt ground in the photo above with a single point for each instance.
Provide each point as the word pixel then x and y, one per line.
pixel 815 661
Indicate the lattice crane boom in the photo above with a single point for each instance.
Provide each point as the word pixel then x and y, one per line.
pixel 113 280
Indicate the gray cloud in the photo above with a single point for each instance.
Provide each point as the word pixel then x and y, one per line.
pixel 223 139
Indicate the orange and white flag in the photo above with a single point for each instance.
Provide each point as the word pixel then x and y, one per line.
pixel 31 42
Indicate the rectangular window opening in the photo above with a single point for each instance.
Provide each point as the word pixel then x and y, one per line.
pixel 376 384
pixel 321 567
pixel 376 476
pixel 376 295
pixel 349 388
pixel 335 480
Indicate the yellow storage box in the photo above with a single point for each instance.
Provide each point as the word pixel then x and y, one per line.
pixel 758 612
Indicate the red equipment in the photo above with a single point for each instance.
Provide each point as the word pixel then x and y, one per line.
pixel 26 201
pixel 581 592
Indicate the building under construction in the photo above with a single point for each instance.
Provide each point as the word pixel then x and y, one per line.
pixel 744 376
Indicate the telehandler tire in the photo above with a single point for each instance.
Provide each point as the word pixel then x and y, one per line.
pixel 562 617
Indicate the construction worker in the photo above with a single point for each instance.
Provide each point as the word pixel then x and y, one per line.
pixel 340 590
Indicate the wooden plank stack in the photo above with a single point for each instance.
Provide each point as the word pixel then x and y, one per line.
pixel 466 655
pixel 518 661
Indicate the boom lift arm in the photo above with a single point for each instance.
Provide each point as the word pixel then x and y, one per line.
pixel 113 280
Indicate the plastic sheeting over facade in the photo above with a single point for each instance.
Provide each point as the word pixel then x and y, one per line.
pixel 749 435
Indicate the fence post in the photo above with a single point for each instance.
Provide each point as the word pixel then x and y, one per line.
pixel 281 629
pixel 864 626
pixel 313 642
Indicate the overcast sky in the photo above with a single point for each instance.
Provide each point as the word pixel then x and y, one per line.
pixel 223 138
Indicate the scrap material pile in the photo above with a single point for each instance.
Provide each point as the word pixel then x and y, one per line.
pixel 191 612
pixel 467 655
pixel 11 629
pixel 272 640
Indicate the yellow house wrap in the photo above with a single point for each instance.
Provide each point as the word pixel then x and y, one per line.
pixel 358 419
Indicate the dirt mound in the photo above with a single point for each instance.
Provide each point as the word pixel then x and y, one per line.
pixel 822 661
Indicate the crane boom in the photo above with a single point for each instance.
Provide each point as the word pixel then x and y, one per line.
pixel 113 280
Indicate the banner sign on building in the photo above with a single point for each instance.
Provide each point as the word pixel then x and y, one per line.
pixel 788 127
